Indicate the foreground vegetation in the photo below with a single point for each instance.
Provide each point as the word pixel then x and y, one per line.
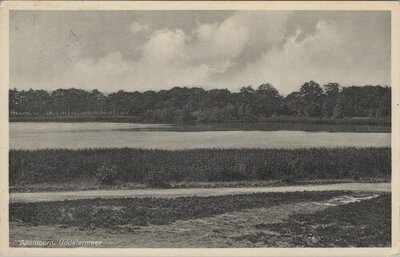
pixel 158 168
pixel 361 224
pixel 297 219
pixel 112 213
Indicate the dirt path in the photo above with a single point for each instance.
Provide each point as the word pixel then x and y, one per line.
pixel 245 228
pixel 173 193
pixel 225 230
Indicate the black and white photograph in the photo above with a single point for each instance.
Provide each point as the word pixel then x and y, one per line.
pixel 200 128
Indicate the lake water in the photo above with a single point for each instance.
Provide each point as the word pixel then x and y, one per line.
pixel 39 135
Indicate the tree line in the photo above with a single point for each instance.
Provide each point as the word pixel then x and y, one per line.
pixel 186 105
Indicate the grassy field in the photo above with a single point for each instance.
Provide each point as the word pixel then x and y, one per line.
pixel 300 219
pixel 88 168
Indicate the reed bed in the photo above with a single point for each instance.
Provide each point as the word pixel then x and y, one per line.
pixel 27 167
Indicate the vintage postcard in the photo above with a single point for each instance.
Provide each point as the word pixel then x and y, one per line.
pixel 209 128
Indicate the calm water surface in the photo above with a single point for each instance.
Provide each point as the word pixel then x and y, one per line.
pixel 38 135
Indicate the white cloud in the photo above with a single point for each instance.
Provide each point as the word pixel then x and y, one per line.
pixel 165 45
pixel 216 55
pixel 137 27
pixel 294 63
pixel 329 55
pixel 172 57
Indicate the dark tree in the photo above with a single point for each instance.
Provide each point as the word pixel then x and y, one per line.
pixel 188 105
pixel 310 97
pixel 331 91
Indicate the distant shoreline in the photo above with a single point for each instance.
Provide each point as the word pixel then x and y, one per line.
pixel 269 124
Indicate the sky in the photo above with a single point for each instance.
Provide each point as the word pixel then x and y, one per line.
pixel 154 50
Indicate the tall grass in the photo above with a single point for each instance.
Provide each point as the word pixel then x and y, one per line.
pixel 135 165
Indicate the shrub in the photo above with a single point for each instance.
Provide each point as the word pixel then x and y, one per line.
pixel 106 174
pixel 157 179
